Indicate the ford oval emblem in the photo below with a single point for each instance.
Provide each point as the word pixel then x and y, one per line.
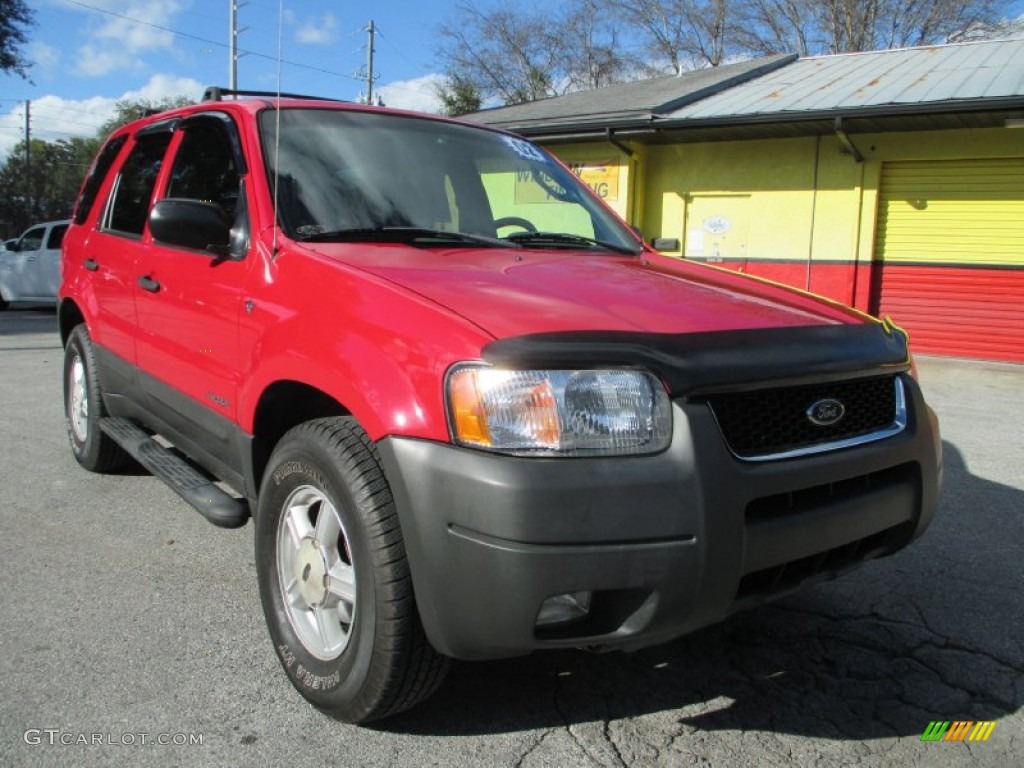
pixel 826 412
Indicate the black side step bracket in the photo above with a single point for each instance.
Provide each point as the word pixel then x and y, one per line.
pixel 193 486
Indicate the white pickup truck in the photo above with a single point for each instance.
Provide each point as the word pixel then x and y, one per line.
pixel 30 266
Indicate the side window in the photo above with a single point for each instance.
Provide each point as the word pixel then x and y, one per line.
pixel 204 168
pixel 33 239
pixel 98 172
pixel 53 242
pixel 129 200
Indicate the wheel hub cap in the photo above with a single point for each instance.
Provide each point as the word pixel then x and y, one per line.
pixel 311 572
pixel 316 573
pixel 78 411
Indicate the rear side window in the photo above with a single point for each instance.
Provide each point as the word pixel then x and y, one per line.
pixel 97 174
pixel 53 242
pixel 133 190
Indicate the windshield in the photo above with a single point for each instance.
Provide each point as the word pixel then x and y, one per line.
pixel 351 175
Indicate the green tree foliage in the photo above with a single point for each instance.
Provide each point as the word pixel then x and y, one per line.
pixel 58 168
pixel 458 96
pixel 127 110
pixel 15 19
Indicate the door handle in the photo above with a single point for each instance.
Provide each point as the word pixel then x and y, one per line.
pixel 31 258
pixel 92 265
pixel 149 284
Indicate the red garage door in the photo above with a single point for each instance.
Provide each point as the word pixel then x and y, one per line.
pixel 949 255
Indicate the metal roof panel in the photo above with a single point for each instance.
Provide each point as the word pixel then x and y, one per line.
pixel 874 79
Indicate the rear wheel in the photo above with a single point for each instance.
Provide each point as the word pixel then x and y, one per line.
pixel 83 407
pixel 334 580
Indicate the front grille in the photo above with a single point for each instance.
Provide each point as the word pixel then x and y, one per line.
pixel 768 423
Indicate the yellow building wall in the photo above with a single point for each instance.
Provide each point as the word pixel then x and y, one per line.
pixel 799 210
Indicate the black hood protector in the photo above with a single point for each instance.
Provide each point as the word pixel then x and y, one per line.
pixel 718 361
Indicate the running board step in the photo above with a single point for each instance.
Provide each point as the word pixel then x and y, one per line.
pixel 193 486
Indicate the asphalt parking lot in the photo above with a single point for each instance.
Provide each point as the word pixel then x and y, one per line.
pixel 126 619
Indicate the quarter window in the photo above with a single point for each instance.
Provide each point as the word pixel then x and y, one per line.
pixel 129 203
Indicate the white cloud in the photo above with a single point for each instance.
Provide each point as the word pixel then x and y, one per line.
pixel 118 39
pixel 417 95
pixel 163 86
pixel 93 62
pixel 322 31
pixel 55 118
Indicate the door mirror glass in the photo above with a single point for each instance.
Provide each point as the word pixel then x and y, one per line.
pixel 191 224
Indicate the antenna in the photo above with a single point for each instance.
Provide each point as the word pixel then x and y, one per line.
pixel 277 123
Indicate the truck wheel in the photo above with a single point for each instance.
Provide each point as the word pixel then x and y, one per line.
pixel 334 580
pixel 83 407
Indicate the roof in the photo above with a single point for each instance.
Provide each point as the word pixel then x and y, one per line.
pixel 627 102
pixel 934 75
pixel 962 85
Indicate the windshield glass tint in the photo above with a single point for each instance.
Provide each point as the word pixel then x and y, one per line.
pixel 340 170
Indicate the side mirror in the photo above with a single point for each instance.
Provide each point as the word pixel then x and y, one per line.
pixel 12 246
pixel 191 224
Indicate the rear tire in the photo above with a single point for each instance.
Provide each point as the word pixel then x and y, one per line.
pixel 334 580
pixel 83 407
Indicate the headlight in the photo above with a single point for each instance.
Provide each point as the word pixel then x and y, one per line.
pixel 576 413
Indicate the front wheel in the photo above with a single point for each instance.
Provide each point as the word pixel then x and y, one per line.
pixel 334 580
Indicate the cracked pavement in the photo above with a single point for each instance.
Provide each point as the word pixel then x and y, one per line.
pixel 124 612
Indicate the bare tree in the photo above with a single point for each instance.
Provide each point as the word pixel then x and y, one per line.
pixel 514 54
pixel 503 53
pixel 836 26
pixel 591 53
pixel 681 34
pixel 527 54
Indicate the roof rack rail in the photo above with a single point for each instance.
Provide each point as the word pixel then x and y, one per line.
pixel 216 93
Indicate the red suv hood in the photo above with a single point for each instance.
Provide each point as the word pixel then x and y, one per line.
pixel 512 292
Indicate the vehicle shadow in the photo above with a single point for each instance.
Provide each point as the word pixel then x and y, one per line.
pixel 920 636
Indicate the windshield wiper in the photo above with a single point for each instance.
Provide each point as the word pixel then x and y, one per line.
pixel 402 235
pixel 563 239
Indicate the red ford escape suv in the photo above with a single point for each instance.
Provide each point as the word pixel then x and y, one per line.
pixel 471 414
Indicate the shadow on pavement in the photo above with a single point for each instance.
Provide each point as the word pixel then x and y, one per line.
pixel 931 633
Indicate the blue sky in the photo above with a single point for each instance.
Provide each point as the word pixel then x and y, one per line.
pixel 90 53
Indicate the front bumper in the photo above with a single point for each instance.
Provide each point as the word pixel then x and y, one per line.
pixel 666 543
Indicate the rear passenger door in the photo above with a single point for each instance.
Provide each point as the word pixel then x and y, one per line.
pixel 112 250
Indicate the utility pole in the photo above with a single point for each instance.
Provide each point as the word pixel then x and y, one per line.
pixel 369 64
pixel 28 155
pixel 233 31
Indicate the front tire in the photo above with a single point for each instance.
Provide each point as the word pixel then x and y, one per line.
pixel 334 580
pixel 83 407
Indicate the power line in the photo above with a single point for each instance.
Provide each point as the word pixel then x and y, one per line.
pixel 240 51
pixel 210 42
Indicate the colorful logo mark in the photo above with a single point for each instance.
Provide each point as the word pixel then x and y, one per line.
pixel 958 730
